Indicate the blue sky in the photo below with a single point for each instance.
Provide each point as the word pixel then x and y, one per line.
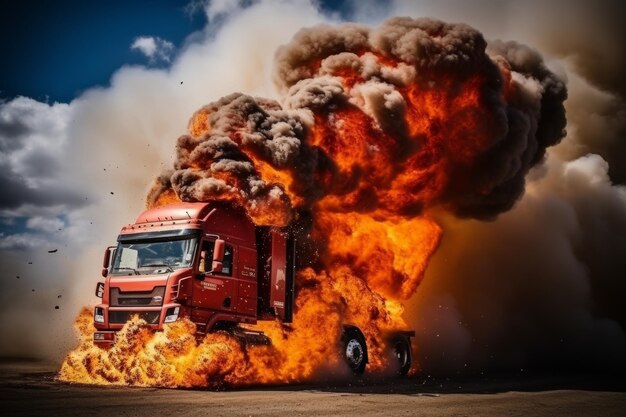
pixel 52 51
pixel 58 49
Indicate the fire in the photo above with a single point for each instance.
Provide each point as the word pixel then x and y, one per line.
pixel 390 256
pixel 172 358
pixel 377 129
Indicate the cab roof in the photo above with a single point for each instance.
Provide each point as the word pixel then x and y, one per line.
pixel 177 211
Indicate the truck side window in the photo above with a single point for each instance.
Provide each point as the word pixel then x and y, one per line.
pixel 227 263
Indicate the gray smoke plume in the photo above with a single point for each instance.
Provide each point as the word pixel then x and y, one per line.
pixel 480 151
pixel 220 164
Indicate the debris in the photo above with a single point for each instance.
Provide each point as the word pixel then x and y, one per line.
pixel 56 307
pixel 53 251
pixel 112 193
pixel 30 263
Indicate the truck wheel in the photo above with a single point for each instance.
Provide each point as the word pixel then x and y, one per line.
pixel 402 351
pixel 354 350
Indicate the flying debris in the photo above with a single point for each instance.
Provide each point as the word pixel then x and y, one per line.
pixel 56 307
pixel 53 251
pixel 112 193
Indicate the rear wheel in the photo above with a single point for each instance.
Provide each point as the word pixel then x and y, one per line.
pixel 354 350
pixel 402 352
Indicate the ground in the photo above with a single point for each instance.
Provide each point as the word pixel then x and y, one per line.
pixel 29 388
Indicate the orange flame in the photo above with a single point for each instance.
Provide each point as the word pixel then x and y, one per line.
pixel 305 350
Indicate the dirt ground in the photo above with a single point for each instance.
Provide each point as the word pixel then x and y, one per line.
pixel 29 388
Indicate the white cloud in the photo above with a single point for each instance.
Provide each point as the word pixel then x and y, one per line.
pixel 155 48
pixel 44 224
pixel 34 141
pixel 22 241
pixel 222 9
pixel 216 8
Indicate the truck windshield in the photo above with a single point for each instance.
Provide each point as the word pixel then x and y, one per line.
pixel 153 256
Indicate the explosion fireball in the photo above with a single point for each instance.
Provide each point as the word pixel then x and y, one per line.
pixel 376 131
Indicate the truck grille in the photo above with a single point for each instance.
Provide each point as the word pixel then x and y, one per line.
pixel 120 317
pixel 151 298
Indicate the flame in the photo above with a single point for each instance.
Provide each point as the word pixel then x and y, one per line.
pixel 168 197
pixel 390 256
pixel 171 358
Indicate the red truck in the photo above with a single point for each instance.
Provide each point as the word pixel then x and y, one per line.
pixel 209 263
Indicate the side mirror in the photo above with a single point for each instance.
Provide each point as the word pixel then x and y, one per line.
pixel 107 256
pixel 217 266
pixel 106 260
pixel 218 256
pixel 218 251
pixel 100 289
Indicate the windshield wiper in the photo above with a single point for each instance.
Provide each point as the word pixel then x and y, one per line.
pixel 126 267
pixel 168 266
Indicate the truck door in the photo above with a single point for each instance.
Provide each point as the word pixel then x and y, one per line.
pixel 282 275
pixel 216 290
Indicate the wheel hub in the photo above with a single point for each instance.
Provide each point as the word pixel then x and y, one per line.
pixel 354 352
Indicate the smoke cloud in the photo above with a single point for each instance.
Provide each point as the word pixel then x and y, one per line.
pixel 499 109
pixel 537 287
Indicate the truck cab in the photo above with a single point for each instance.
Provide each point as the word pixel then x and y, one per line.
pixel 204 261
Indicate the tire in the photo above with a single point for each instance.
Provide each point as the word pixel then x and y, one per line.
pixel 402 352
pixel 354 350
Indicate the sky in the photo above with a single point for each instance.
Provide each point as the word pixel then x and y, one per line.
pixel 57 50
pixel 94 94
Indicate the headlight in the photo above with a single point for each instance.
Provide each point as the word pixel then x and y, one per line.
pixel 98 315
pixel 171 314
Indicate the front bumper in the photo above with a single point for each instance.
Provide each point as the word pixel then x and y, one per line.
pixel 116 317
